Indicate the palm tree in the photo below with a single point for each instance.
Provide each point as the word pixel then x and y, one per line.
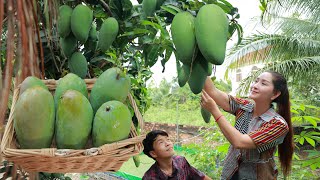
pixel 293 48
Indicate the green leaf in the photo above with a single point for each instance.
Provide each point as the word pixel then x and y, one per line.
pixel 311 120
pixel 104 58
pixel 149 23
pixel 121 9
pixel 151 54
pixel 240 33
pixel 310 141
pixel 136 31
pixel 225 8
pixel 301 140
pixel 171 9
pixel 166 57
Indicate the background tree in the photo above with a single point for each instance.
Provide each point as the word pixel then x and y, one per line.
pixel 292 48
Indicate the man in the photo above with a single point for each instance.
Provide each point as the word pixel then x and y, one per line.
pixel 159 147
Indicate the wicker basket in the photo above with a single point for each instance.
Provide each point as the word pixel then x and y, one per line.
pixel 108 157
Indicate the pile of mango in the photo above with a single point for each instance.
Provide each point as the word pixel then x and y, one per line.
pixel 76 27
pixel 70 117
pixel 200 43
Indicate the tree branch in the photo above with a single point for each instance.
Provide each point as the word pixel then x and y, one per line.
pixel 106 7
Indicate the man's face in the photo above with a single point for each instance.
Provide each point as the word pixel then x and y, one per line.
pixel 162 148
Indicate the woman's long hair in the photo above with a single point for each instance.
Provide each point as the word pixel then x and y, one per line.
pixel 285 150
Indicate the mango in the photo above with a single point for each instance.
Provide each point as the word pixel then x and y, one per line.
pixel 81 20
pixel 112 84
pixel 64 20
pixel 68 45
pixel 183 74
pixel 211 29
pixel 31 81
pixel 183 36
pixel 111 123
pixel 206 115
pixel 73 120
pixel 198 74
pixel 34 118
pixel 149 7
pixel 78 64
pixel 108 33
pixel 69 82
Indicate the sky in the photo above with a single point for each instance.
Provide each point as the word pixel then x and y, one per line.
pixel 248 10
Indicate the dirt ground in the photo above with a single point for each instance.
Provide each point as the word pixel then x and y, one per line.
pixel 182 134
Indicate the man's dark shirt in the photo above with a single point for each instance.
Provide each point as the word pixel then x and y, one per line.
pixel 181 171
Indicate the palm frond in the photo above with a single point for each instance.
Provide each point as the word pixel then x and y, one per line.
pixel 297 27
pixel 292 69
pixel 308 9
pixel 265 48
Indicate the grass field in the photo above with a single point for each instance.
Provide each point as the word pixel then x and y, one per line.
pixel 172 116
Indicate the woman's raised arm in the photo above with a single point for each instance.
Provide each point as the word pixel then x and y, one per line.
pixel 220 97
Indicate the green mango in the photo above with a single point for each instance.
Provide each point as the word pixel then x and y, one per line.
pixel 78 64
pixel 68 45
pixel 206 115
pixel 149 7
pixel 211 29
pixel 112 84
pixel 34 118
pixel 81 20
pixel 111 123
pixel 31 81
pixel 183 36
pixel 64 20
pixel 73 120
pixel 69 82
pixel 198 74
pixel 183 73
pixel 108 33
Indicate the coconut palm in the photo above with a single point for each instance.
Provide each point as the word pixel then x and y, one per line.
pixel 293 48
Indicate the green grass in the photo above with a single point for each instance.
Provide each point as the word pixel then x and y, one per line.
pixel 175 116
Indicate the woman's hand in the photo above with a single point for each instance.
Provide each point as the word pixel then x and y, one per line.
pixel 209 104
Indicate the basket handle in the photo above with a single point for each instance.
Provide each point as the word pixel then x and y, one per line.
pixel 8 133
pixel 137 112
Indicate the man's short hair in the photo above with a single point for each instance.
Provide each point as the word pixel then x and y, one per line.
pixel 150 138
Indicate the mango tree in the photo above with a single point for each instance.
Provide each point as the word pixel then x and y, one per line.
pixel 49 39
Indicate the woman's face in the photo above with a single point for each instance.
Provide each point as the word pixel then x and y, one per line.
pixel 162 147
pixel 262 88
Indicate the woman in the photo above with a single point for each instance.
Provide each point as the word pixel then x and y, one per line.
pixel 258 130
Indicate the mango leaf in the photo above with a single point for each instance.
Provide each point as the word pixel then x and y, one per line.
pixel 171 9
pixel 225 8
pixel 121 9
pixel 151 53
pixel 226 3
pixel 240 33
pixel 166 58
pixel 163 30
pixel 135 32
pixel 149 23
